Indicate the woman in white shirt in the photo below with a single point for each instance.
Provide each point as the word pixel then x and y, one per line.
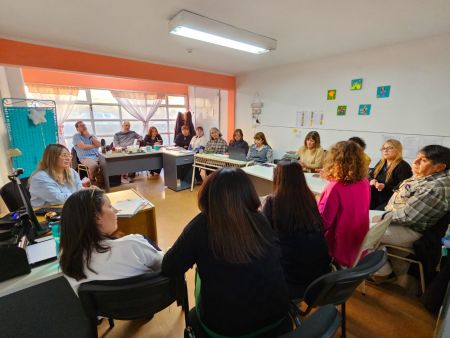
pixel 54 180
pixel 198 144
pixel 88 249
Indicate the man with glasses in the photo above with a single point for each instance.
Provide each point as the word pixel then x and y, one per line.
pixel 126 137
pixel 86 146
pixel 420 201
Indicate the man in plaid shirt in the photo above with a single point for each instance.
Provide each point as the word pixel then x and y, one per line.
pixel 421 200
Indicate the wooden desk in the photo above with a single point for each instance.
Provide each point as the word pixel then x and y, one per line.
pixel 144 222
pixel 122 163
pixel 262 178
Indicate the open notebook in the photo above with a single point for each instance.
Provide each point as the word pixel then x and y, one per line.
pixel 129 207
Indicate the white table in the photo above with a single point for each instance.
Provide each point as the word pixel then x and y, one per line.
pixel 262 178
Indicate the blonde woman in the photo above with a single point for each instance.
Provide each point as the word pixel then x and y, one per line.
pixel 344 203
pixel 311 153
pixel 387 175
pixel 54 180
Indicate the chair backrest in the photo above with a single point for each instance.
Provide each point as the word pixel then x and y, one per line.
pixel 374 235
pixel 75 160
pixel 338 286
pixel 132 298
pixel 11 196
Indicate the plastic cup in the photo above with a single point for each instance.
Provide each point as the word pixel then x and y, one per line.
pixel 156 147
pixel 149 149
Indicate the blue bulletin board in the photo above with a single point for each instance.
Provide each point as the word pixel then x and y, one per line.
pixel 24 134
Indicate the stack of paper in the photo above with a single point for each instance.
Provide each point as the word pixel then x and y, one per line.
pixel 129 207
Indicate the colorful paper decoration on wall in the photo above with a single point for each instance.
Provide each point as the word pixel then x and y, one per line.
pixel 331 95
pixel 364 109
pixel 383 92
pixel 341 110
pixel 356 84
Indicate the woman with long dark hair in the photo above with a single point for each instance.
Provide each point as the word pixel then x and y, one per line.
pixel 292 211
pixel 260 151
pixel 242 289
pixel 88 249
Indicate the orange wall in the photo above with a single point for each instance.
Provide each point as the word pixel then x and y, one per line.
pixel 30 55
pixel 43 76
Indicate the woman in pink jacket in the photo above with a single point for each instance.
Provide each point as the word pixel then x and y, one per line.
pixel 344 204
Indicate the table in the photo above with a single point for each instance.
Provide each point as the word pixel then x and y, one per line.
pixel 122 163
pixel 262 179
pixel 213 162
pixel 144 222
pixel 177 166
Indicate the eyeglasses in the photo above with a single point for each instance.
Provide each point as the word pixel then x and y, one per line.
pixel 387 148
pixel 65 155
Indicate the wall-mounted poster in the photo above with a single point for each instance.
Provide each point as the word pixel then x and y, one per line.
pixel 331 95
pixel 364 109
pixel 356 84
pixel 341 110
pixel 383 92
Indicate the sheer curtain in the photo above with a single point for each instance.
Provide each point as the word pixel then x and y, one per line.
pixel 64 97
pixel 141 105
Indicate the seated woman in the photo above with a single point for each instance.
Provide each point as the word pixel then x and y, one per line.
pixel 242 288
pixel 260 151
pixel 238 141
pixel 183 139
pixel 198 144
pixel 216 144
pixel 344 203
pixel 88 249
pixel 54 180
pixel 292 211
pixel 311 153
pixel 153 139
pixel 388 174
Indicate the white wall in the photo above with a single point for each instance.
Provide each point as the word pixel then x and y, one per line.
pixel 419 75
pixel 11 85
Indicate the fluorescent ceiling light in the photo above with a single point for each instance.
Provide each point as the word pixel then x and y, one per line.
pixel 201 28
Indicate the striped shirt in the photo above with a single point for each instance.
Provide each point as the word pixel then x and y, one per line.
pixel 218 146
pixel 81 153
pixel 420 202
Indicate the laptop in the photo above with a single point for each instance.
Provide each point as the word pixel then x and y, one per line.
pixel 41 252
pixel 237 154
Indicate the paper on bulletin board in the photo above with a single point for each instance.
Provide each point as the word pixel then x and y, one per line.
pixel 309 119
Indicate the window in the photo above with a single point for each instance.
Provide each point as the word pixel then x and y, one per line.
pixel 103 115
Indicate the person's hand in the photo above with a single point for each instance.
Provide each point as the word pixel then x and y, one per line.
pixel 86 182
pixel 379 186
pixel 373 182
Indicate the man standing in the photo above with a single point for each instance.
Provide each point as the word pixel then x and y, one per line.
pixel 125 137
pixel 86 146
pixel 420 201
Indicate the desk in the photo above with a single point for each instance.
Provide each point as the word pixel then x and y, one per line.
pixel 213 162
pixel 122 163
pixel 177 169
pixel 144 222
pixel 262 178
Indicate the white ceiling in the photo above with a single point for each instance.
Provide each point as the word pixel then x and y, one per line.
pixel 305 29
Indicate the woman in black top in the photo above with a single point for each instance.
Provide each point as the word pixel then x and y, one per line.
pixel 292 211
pixel 151 139
pixel 238 141
pixel 242 285
pixel 388 174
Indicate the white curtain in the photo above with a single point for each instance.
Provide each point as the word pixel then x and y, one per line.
pixel 141 105
pixel 64 97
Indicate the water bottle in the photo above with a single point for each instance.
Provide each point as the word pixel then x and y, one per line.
pixel 56 234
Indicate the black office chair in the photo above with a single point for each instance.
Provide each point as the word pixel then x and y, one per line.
pixel 321 324
pixel 49 309
pixel 82 169
pixel 11 196
pixel 338 286
pixel 138 297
